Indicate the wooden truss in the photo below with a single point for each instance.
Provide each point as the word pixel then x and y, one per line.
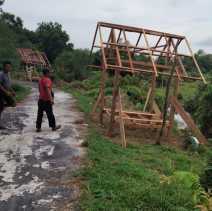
pixel 119 45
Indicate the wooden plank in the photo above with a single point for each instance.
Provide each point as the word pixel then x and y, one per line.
pixel 121 122
pixel 143 49
pixel 188 120
pixel 150 53
pixel 102 49
pixel 134 112
pixel 96 104
pixel 195 61
pixel 138 30
pixel 114 100
pixel 128 52
pixel 102 91
pixel 156 109
pixel 144 120
pixel 172 109
pixel 139 71
pixel 147 99
pixel 94 40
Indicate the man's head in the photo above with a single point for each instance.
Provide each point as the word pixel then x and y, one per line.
pixel 46 72
pixel 7 66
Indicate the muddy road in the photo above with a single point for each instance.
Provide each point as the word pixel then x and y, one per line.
pixel 37 170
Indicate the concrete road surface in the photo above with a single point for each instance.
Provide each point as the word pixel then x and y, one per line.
pixel 37 170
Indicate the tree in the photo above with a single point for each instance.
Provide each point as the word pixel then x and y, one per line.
pixel 52 39
pixel 72 65
pixel 12 21
pixel 1 3
pixel 8 45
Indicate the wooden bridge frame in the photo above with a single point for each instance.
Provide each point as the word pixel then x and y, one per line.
pixel 113 45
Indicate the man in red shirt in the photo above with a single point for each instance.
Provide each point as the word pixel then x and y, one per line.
pixel 45 102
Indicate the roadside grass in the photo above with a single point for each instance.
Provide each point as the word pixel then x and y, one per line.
pixel 145 177
pixel 21 91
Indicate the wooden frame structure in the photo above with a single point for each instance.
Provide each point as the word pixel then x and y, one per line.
pixel 119 45
pixel 31 59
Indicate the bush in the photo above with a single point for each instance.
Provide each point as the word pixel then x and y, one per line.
pixel 72 65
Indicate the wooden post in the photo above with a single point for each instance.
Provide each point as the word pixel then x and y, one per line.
pixel 114 101
pixel 128 52
pixel 172 109
pixel 147 99
pixel 188 120
pixel 102 99
pixel 152 95
pixel 195 61
pixel 121 122
pixel 115 85
pixel 165 110
pixel 155 74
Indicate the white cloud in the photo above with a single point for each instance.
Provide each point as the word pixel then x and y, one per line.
pixel 187 17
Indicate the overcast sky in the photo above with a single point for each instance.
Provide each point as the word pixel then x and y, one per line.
pixel 192 18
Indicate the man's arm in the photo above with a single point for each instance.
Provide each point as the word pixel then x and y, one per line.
pixel 12 92
pixel 48 91
pixel 6 92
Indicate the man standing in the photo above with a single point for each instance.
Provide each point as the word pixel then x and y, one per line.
pixel 45 102
pixel 7 94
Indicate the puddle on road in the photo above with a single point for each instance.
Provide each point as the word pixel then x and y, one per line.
pixel 33 165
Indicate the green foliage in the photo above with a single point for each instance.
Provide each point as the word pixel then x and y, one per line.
pixel 21 91
pixel 8 45
pixel 52 39
pixel 204 60
pixel 200 107
pixel 72 65
pixel 132 179
pixel 145 177
pixel 207 175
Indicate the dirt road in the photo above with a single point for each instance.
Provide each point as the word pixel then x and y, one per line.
pixel 37 169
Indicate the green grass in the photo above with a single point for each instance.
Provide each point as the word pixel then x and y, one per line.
pixel 21 91
pixel 145 177
pixel 132 178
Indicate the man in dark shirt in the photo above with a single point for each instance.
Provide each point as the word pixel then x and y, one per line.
pixel 7 94
pixel 45 102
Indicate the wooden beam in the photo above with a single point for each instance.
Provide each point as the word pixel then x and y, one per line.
pixel 128 52
pixel 139 71
pixel 114 101
pixel 147 99
pixel 172 109
pixel 94 40
pixel 121 122
pixel 118 56
pixel 102 49
pixel 140 49
pixel 195 61
pixel 138 30
pixel 156 109
pixel 188 120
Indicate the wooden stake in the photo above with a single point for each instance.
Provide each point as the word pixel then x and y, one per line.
pixel 165 110
pixel 114 101
pixel 172 110
pixel 121 122
pixel 195 61
pixel 147 99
